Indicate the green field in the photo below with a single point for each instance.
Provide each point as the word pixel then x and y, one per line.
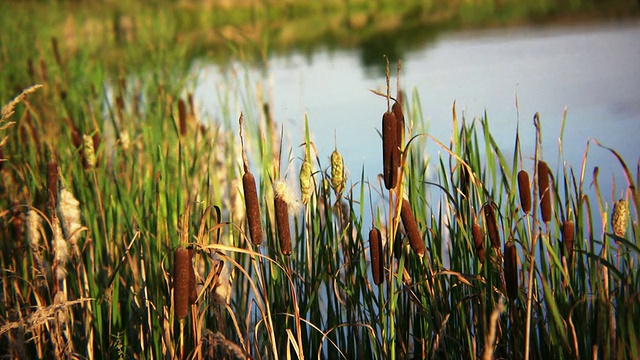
pixel 109 174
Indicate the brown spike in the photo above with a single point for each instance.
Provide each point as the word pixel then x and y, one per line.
pixel 567 239
pixel 511 269
pixel 181 264
pixel 476 232
pixel 52 184
pixel 377 264
pixel 410 225
pixel 525 191
pixel 182 117
pixel 282 223
pixel 545 191
pixel 492 225
pixel 389 149
pixel 252 207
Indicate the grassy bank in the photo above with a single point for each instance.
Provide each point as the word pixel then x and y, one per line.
pixel 124 230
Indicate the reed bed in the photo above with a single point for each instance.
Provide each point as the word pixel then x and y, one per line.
pixel 148 239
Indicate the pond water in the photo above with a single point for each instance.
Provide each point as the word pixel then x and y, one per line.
pixel 591 69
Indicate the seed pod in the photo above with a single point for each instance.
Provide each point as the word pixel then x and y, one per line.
pixel 410 225
pixel 525 191
pixel 377 265
pixel 389 148
pixel 511 269
pixel 492 225
pixel 252 207
pixel 545 191
pixel 193 294
pixel 397 111
pixel 567 238
pixel 305 181
pixel 181 264
pixel 182 117
pixel 620 218
pixel 337 172
pixel 476 232
pixel 282 219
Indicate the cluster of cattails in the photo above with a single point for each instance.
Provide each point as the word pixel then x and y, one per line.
pixel 411 227
pixel 545 191
pixel 250 197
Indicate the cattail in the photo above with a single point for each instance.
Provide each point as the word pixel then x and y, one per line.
pixel 545 196
pixel 567 238
pixel 410 225
pixel 182 117
pixel 89 152
pixel 389 149
pixel 60 250
pixel 377 265
pixel 282 217
pixel 181 264
pixel 252 206
pixel 52 184
pixel 525 192
pixel 193 294
pixel 511 269
pixel 34 229
pixel 492 225
pixel 68 211
pixel 478 242
pixel 305 181
pixel 337 172
pixel 620 218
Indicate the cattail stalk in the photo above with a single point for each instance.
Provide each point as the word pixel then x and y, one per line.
pixel 377 264
pixel 411 226
pixel 511 269
pixel 181 264
pixel 545 191
pixel 282 218
pixel 525 191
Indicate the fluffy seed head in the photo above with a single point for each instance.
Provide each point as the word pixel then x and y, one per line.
pixel 377 264
pixel 525 191
pixel 69 213
pixel 337 172
pixel 88 151
pixel 511 269
pixel 545 191
pixel 34 229
pixel 60 250
pixel 181 264
pixel 620 218
pixel 252 207
pixel 305 181
pixel 410 225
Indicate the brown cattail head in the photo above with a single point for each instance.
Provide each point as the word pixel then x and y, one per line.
pixel 478 242
pixel 182 117
pixel 410 225
pixel 545 191
pixel 492 225
pixel 181 265
pixel 525 191
pixel 620 218
pixel 193 294
pixel 511 269
pixel 282 218
pixel 567 238
pixel 389 149
pixel 252 207
pixel 377 265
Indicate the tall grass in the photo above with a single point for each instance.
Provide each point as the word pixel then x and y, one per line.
pixel 89 241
